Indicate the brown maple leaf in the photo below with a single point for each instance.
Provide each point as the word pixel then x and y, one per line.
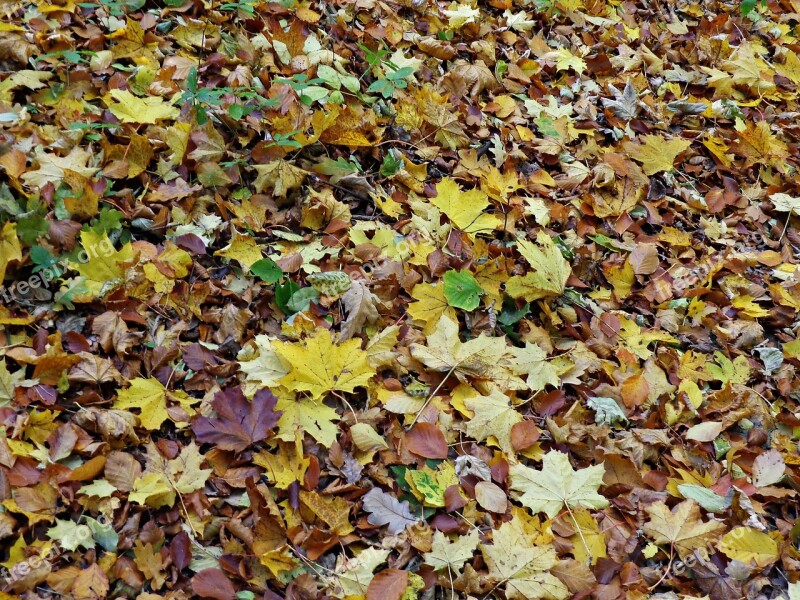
pixel 239 423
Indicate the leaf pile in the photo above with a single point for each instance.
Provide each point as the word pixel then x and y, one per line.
pixel 396 299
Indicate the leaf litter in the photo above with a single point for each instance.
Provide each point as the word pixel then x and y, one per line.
pixel 399 299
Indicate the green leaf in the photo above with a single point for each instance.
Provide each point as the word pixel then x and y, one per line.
pixel 392 163
pixel 329 76
pixel 70 535
pixel 284 293
pixel 236 111
pixel 302 299
pixel 747 6
pixel 461 290
pixel 103 533
pixel 267 270
pixel 706 498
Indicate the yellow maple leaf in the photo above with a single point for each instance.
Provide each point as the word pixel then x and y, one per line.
pixel 242 248
pixel 333 510
pixel 286 466
pixel 493 417
pixel 565 61
pixel 681 527
pixel 557 484
pixel 105 267
pixel 150 397
pixel 10 248
pixel 53 168
pixel 152 489
pixel 757 144
pixel 319 366
pixel 747 545
pixel 280 175
pixel 656 154
pixel 305 416
pixel 589 542
pixel 479 357
pixel 464 209
pixel 131 109
pixel 515 560
pixel 790 67
pixel 747 68
pixel 550 270
pixel 430 305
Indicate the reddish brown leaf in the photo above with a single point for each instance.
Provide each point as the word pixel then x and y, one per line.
pixel 388 585
pixel 426 440
pixel 239 422
pixel 212 583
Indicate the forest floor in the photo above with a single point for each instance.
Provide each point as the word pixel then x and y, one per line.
pixel 399 299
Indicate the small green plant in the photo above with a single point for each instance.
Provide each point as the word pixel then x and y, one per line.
pixel 307 90
pixel 73 57
pixel 92 128
pixel 389 76
pixel 202 99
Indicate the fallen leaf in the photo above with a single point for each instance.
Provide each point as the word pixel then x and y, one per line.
pixel 387 510
pixel 239 423
pixel 557 485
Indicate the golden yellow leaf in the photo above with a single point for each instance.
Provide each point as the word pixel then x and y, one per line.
pixel 588 543
pixel 150 397
pixel 757 144
pixel 749 545
pixel 9 247
pixel 105 268
pixel 656 154
pixel 550 270
pixel 281 175
pixel 522 566
pixel 430 305
pixel 131 109
pixel 243 249
pixel 444 352
pixel 557 484
pixel 334 510
pixel 319 366
pixel 681 527
pixel 465 209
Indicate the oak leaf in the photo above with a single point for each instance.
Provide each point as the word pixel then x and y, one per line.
pixel 385 509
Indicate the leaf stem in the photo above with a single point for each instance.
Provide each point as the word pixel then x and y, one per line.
pixel 430 397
